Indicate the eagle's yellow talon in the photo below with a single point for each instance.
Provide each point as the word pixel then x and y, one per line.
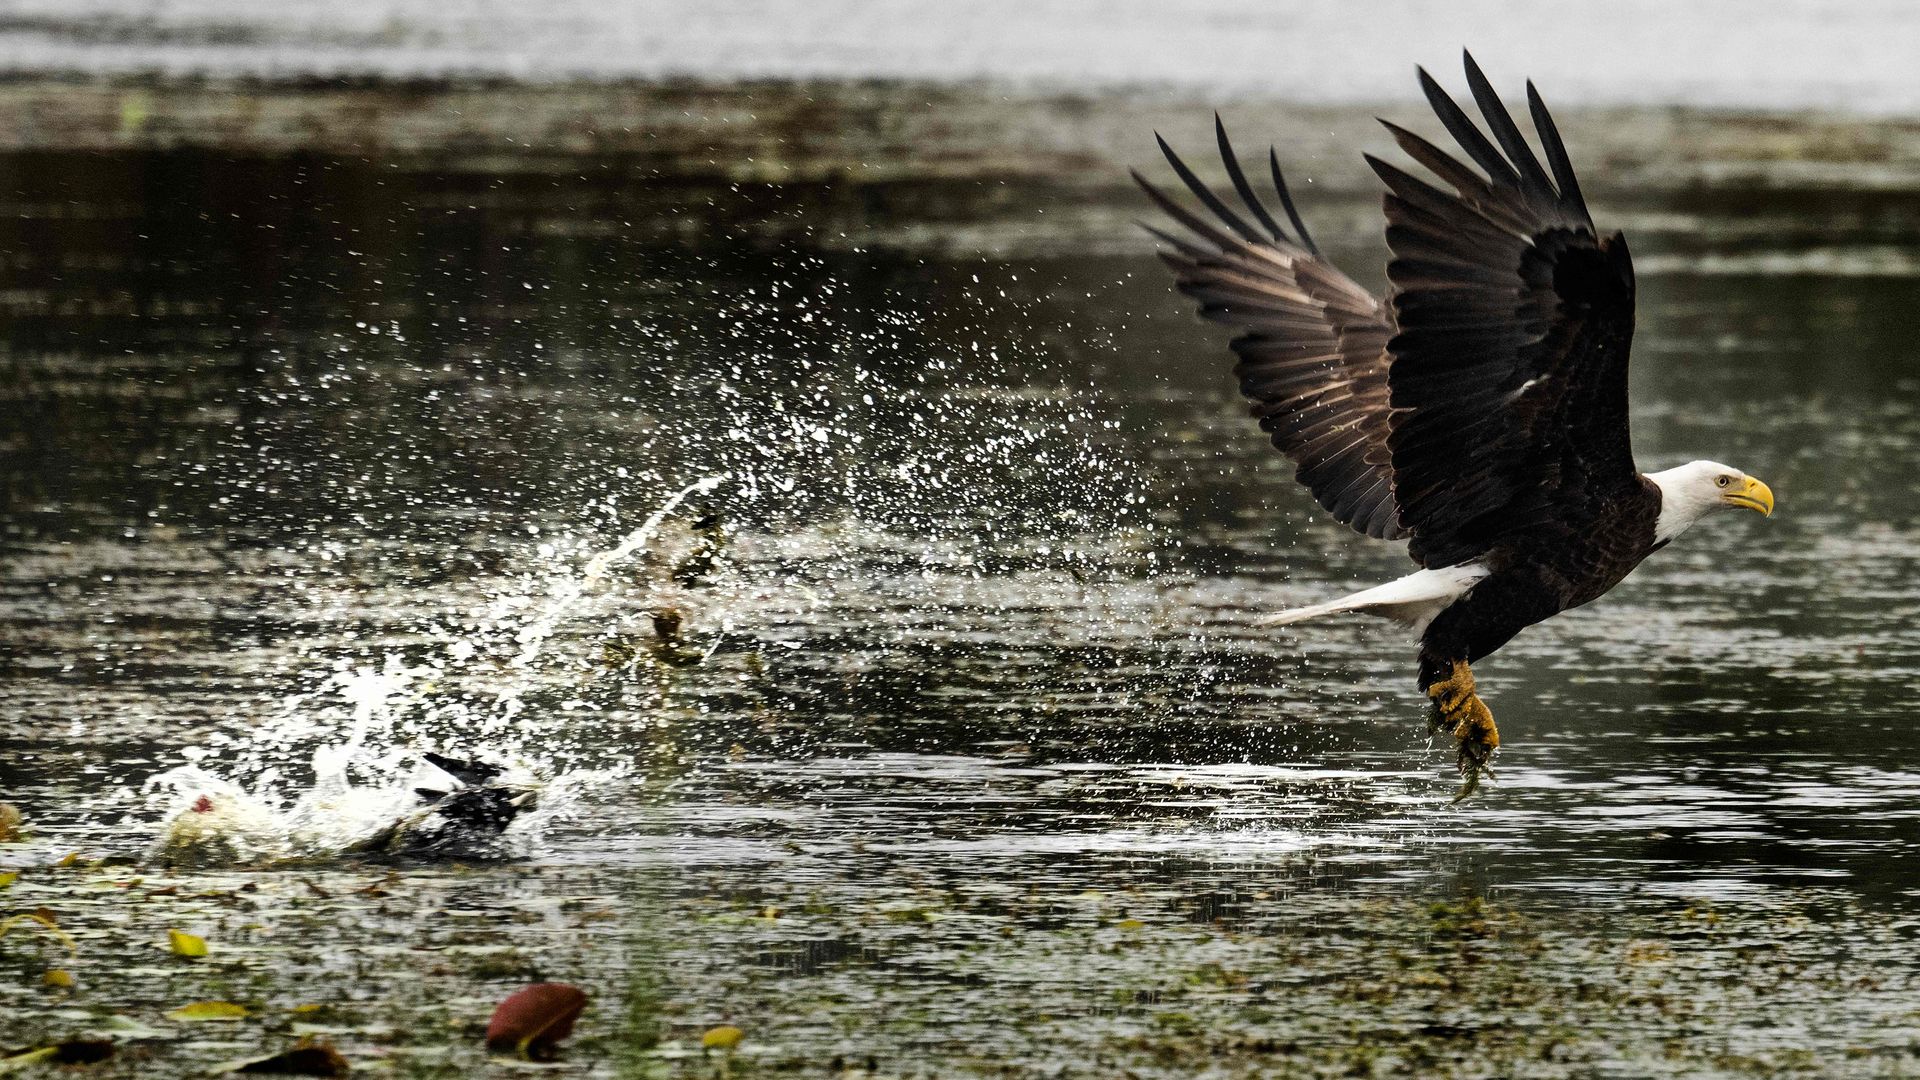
pixel 1458 711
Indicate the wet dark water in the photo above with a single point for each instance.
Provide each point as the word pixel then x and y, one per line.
pixel 972 754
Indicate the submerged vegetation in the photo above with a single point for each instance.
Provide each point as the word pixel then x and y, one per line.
pixel 401 972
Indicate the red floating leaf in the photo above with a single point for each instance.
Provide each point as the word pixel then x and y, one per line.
pixel 533 1020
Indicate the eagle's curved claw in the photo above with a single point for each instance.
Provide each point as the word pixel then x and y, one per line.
pixel 1458 711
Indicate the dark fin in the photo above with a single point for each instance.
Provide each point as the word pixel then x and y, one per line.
pixel 1239 179
pixel 465 770
pixel 429 794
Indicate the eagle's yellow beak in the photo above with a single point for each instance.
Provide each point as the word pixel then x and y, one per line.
pixel 1751 494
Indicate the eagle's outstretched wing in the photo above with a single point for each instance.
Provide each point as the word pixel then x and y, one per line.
pixel 1313 358
pixel 1508 377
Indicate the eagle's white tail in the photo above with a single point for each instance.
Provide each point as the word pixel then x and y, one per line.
pixel 1413 600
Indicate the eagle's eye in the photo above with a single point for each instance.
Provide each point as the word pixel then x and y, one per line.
pixel 1723 481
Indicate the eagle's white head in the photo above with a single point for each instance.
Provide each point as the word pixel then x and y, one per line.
pixel 1699 488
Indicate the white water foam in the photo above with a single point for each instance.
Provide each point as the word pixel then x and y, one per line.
pixel 212 818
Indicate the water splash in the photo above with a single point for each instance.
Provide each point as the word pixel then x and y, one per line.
pixel 213 819
pixel 533 637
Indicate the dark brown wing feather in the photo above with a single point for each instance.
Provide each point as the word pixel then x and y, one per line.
pixel 1313 359
pixel 1508 377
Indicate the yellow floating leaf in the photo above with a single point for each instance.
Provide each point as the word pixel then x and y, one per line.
pixel 57 977
pixel 71 1052
pixel 724 1037
pixel 1130 924
pixel 27 1060
pixel 71 859
pixel 185 944
pixel 209 1010
pixel 7 878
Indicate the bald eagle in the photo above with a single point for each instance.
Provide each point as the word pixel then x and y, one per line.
pixel 1479 411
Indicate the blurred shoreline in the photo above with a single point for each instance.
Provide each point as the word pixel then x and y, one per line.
pixel 978 168
pixel 1851 56
pixel 877 131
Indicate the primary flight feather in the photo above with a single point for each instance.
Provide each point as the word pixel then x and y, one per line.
pixel 1479 411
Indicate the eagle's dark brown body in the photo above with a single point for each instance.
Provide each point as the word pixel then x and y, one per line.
pixel 1537 577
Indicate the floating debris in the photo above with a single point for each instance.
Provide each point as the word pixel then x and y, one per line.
pixel 305 1059
pixel 70 1052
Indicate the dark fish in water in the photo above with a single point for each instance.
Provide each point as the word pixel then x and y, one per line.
pixel 470 772
pixel 462 812
pixel 461 822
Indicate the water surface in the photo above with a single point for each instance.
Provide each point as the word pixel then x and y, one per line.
pixel 972 757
